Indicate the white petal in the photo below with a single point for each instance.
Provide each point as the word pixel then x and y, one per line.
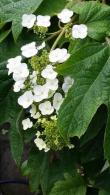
pixel 46 108
pixel 58 55
pixel 43 21
pixel 49 73
pixel 79 31
pixel 65 15
pixel 27 123
pixel 41 46
pixel 52 84
pixel 26 99
pixel 28 20
pixel 29 50
pixel 57 101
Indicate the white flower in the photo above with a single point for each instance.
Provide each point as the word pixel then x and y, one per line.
pixel 18 86
pixel 70 146
pixel 41 46
pixel 46 108
pixel 58 55
pixel 29 50
pixel 65 15
pixel 57 101
pixel 27 123
pixel 28 20
pixel 52 84
pixel 68 82
pixel 49 73
pixel 40 93
pixel 21 72
pixel 34 113
pixel 79 31
pixel 41 144
pixel 43 21
pixel 33 77
pixel 12 63
pixel 26 99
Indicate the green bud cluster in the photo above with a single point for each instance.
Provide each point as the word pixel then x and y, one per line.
pixel 68 34
pixel 38 63
pixel 52 135
pixel 40 31
pixel 40 80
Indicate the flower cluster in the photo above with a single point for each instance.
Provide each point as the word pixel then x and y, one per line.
pixel 42 89
pixel 65 16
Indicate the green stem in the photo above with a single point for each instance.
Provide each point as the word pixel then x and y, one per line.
pixel 53 35
pixel 58 38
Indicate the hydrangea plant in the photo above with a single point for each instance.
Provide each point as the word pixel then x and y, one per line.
pixel 55 77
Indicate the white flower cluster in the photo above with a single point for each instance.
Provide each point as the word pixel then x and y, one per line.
pixel 65 16
pixel 42 100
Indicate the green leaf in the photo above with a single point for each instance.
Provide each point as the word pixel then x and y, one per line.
pixel 11 112
pixel 4 35
pixel 102 181
pixel 13 11
pixel 71 186
pixel 24 168
pixel 90 68
pixel 103 192
pixel 51 7
pixel 96 16
pixel 96 125
pixel 107 137
pixel 45 171
pixel 38 165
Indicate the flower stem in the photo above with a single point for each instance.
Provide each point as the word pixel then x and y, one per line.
pixel 58 38
pixel 53 35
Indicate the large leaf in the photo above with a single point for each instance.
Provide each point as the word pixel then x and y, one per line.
pixel 103 192
pixel 71 186
pixel 91 89
pixel 45 171
pixel 13 11
pixel 51 7
pixel 107 137
pixel 11 112
pixel 102 181
pixel 38 166
pixel 96 16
